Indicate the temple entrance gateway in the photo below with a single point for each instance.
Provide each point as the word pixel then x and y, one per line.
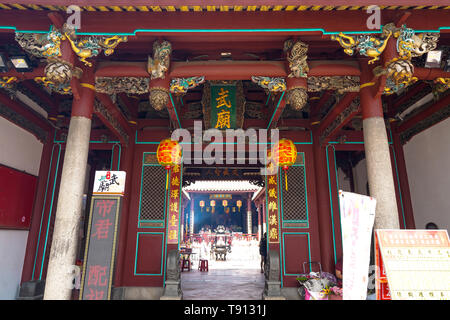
pixel 345 100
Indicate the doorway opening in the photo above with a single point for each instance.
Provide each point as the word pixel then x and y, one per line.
pixel 222 226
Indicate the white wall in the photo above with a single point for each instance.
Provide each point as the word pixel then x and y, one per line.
pixel 427 157
pixel 360 177
pixel 22 151
pixel 19 149
pixel 12 252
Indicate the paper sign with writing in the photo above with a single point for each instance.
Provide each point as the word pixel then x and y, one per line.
pixel 109 182
pixel 357 218
pixel 416 263
pixel 100 248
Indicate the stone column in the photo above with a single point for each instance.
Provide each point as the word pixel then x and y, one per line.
pixel 65 234
pixel 249 214
pixel 379 169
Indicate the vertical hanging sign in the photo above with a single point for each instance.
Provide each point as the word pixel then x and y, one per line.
pixel 173 208
pixel 357 218
pixel 272 209
pixel 223 106
pixel 102 235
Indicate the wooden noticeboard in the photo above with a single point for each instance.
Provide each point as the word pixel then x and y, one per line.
pixel 412 264
pixel 100 249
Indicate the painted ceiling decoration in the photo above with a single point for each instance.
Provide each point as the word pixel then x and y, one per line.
pixel 215 8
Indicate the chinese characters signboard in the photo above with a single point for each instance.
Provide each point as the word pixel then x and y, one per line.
pixel 415 264
pixel 357 218
pixel 174 206
pixel 100 248
pixel 109 182
pixel 223 107
pixel 272 209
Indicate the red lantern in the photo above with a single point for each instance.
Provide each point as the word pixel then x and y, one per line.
pixel 202 204
pixel 239 204
pixel 284 154
pixel 224 203
pixel 168 155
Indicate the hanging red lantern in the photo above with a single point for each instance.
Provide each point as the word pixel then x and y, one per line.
pixel 224 203
pixel 239 205
pixel 284 154
pixel 202 204
pixel 168 155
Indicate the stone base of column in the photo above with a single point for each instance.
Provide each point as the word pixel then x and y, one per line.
pixel 32 290
pixel 272 291
pixel 172 291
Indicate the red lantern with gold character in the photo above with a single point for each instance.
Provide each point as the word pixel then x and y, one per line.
pixel 168 155
pixel 284 154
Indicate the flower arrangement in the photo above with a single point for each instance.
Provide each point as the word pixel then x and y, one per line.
pixel 318 287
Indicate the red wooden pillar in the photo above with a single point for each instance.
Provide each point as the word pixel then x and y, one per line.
pixel 403 179
pixel 327 252
pixel 38 212
pixel 126 164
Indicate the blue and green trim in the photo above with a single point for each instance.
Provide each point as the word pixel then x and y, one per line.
pixel 49 212
pixel 224 30
pixel 331 196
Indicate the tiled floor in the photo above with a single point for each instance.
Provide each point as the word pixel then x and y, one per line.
pixel 222 284
pixel 238 278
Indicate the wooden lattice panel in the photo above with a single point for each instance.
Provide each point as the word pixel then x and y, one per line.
pixel 294 199
pixel 152 193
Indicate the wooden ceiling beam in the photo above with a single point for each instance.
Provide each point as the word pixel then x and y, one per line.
pixel 434 108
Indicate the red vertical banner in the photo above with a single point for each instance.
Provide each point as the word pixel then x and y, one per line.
pixel 382 288
pixel 273 230
pixel 173 209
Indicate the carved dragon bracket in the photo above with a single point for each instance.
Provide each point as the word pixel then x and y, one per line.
pixel 399 70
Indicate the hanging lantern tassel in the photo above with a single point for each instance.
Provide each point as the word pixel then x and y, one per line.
pixel 167 177
pixel 285 168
